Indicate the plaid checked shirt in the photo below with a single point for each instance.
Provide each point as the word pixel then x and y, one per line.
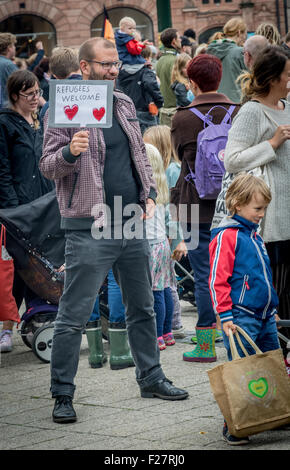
pixel 79 185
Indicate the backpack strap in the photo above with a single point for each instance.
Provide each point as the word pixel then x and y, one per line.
pixel 207 118
pixel 190 175
pixel 204 117
pixel 228 115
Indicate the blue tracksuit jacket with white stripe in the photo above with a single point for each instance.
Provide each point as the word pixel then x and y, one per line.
pixel 240 272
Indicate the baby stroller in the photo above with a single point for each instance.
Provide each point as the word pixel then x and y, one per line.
pixel 284 326
pixel 184 280
pixel 36 242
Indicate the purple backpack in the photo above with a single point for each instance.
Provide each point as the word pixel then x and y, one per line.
pixel 211 143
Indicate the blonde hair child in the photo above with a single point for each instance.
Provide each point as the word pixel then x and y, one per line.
pixel 162 272
pixel 243 188
pixel 179 80
pixel 161 264
pixel 158 174
pixel 179 69
pixel 160 137
pixel 240 279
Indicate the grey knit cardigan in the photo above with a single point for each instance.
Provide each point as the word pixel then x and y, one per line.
pixel 248 148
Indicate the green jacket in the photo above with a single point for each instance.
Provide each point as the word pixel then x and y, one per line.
pixel 232 59
pixel 163 71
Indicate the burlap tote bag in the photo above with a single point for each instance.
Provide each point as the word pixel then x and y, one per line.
pixel 253 392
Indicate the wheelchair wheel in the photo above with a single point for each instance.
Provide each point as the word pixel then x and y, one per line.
pixel 42 342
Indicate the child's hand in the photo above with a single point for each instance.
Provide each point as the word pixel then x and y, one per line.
pixel 39 45
pixel 61 268
pixel 277 318
pixel 146 42
pixel 180 250
pixel 229 325
pixel 150 209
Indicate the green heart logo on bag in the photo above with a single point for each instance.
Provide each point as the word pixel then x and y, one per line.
pixel 259 387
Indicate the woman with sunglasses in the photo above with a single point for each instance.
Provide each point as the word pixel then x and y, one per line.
pixel 20 150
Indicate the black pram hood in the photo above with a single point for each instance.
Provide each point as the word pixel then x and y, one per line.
pixel 36 226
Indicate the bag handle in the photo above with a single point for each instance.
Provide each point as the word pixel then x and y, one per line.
pixel 234 351
pixel 266 113
pixel 3 236
pixel 270 118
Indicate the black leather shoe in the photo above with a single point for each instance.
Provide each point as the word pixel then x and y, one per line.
pixel 165 390
pixel 63 411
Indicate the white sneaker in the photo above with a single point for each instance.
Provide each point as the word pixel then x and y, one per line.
pixel 179 332
pixel 6 341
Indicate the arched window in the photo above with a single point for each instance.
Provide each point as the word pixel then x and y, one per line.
pixel 143 22
pixel 204 37
pixel 29 29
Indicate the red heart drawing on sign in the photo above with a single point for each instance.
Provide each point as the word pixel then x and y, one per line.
pixel 71 111
pixel 99 113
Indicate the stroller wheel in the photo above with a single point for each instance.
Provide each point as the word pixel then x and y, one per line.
pixel 26 334
pixel 29 327
pixel 42 342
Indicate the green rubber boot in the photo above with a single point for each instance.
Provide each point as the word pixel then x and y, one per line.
pixel 205 349
pixel 218 337
pixel 97 356
pixel 120 357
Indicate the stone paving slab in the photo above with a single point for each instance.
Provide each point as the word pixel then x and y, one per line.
pixel 111 413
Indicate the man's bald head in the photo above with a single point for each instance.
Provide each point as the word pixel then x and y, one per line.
pixel 252 49
pixel 89 47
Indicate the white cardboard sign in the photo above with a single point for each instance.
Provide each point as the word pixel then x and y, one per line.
pixel 80 103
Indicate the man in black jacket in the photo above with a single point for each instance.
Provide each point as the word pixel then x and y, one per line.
pixel 140 83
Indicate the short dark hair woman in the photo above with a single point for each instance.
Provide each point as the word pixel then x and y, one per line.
pixel 204 74
pixel 20 150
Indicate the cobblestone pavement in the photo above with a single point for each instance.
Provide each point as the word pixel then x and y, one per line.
pixel 111 413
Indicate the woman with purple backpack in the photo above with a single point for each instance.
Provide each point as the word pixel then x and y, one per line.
pixel 214 110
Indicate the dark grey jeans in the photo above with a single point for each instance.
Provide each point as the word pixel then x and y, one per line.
pixel 87 264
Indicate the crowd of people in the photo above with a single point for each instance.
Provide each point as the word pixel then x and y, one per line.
pixel 164 99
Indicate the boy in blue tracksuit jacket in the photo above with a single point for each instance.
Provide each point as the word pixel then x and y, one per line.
pixel 240 281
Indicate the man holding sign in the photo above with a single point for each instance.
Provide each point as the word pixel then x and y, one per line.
pixel 90 168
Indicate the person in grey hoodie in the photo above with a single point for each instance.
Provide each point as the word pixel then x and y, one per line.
pixel 230 51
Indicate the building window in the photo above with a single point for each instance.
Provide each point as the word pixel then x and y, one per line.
pixel 29 29
pixel 143 22
pixel 206 35
pixel 205 1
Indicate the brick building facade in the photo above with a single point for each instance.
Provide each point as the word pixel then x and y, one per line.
pixel 70 22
